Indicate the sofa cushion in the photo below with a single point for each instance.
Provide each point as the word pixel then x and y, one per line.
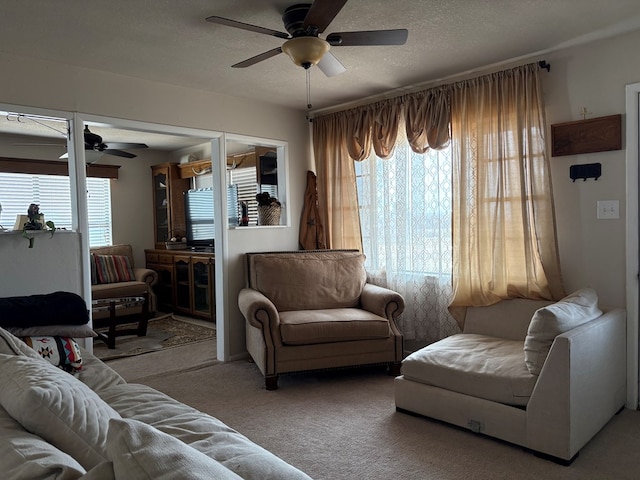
pixel 477 365
pixel 96 374
pixel 306 327
pixel 118 290
pixel 549 322
pixel 62 352
pixel 200 431
pixel 113 268
pixel 308 280
pixel 55 406
pixel 140 451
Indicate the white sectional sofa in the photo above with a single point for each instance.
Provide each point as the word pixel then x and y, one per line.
pixel 94 425
pixel 546 376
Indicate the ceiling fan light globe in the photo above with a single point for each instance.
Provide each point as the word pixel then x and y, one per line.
pixel 305 51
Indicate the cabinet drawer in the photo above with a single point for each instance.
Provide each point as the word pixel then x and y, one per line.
pixel 163 258
pixel 159 258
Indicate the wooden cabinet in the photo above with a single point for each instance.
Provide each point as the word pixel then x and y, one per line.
pixel 168 202
pixel 189 281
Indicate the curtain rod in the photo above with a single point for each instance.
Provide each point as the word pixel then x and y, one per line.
pixel 416 88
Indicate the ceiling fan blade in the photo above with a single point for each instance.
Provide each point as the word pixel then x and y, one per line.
pixel 330 65
pixel 125 146
pixel 322 13
pixel 258 58
pixel 370 37
pixel 118 153
pixel 246 26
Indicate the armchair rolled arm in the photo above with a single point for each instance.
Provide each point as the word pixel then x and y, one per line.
pixel 259 311
pixel 146 275
pixel 382 301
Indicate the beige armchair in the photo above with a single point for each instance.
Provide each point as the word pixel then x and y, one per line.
pixel 313 309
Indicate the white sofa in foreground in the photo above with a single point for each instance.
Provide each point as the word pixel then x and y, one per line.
pixel 94 425
pixel 546 376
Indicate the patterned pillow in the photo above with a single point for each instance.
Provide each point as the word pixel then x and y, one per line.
pixel 113 269
pixel 63 352
pixel 94 270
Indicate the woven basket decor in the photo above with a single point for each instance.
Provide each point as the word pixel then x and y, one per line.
pixel 269 215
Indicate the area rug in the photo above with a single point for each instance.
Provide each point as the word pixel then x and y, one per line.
pixel 162 333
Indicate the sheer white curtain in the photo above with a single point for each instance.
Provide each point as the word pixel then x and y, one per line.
pixel 405 206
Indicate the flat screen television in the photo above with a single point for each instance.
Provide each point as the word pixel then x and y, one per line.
pixel 199 218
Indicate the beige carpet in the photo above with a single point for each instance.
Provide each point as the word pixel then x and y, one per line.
pixel 162 333
pixel 343 425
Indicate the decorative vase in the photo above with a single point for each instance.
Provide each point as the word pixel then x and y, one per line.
pixel 269 215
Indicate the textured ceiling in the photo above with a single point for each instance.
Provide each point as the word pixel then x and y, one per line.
pixel 170 41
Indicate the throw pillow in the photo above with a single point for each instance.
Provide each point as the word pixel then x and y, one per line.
pixel 25 455
pixel 57 407
pixel 94 269
pixel 75 331
pixel 113 268
pixel 141 451
pixel 63 352
pixel 12 345
pixel 104 471
pixel 549 322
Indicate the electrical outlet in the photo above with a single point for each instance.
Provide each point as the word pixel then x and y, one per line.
pixel 608 209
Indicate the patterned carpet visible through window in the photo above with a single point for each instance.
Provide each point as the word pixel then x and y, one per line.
pixel 162 333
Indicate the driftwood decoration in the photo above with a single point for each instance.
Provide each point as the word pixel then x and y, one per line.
pixel 587 136
pixel 311 230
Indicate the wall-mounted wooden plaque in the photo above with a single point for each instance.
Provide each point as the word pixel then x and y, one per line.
pixel 587 136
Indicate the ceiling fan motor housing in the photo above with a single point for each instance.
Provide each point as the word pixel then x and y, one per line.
pixel 293 19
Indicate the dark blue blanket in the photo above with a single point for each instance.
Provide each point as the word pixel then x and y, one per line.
pixel 58 308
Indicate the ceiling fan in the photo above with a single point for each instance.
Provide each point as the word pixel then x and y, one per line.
pixel 93 141
pixel 304 22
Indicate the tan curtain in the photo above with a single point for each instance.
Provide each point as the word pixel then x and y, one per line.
pixel 342 137
pixel 337 194
pixel 427 119
pixel 504 241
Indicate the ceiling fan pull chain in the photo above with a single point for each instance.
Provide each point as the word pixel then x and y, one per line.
pixel 308 73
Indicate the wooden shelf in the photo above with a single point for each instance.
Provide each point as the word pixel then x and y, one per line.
pixel 200 167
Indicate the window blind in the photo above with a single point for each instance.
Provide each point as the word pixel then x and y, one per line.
pixel 53 195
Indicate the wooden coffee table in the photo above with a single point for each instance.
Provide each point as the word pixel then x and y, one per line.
pixel 112 305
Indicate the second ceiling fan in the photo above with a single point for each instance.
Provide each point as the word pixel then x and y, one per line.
pixel 303 23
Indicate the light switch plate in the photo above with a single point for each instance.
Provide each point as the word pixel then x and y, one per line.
pixel 608 209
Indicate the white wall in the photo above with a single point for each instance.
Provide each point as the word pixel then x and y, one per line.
pixel 594 76
pixel 59 87
pixel 51 265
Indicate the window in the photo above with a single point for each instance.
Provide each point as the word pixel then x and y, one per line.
pixel 405 207
pixel 245 180
pixel 53 194
pixel 405 210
